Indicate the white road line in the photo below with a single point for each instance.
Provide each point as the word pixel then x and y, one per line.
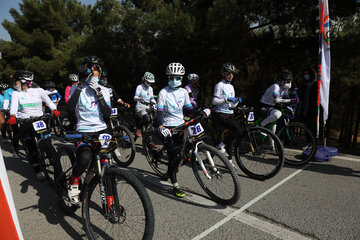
pixel 354 158
pixel 237 214
pixel 229 217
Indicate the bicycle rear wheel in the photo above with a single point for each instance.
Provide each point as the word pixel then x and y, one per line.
pixel 131 216
pixel 224 185
pixel 65 160
pixel 124 154
pixel 155 153
pixel 47 160
pixel 299 143
pixel 259 153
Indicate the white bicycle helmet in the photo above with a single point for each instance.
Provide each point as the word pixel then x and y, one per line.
pixel 23 76
pixel 175 69
pixel 149 77
pixel 193 78
pixel 73 78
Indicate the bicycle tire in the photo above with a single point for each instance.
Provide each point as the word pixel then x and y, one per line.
pixel 156 156
pixel 297 138
pixel 65 160
pixel 258 160
pixel 224 177
pixel 47 160
pixel 106 228
pixel 124 155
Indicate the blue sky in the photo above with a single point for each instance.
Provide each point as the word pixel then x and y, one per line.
pixel 4 14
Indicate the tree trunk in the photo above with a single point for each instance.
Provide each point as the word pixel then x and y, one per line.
pixel 356 131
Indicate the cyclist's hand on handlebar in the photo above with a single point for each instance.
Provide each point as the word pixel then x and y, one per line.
pixel 153 101
pixel 12 120
pixel 126 105
pixel 165 132
pixel 206 112
pixel 56 113
pixel 233 99
pixel 295 100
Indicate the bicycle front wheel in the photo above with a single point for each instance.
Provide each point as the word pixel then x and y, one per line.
pixel 131 216
pixel 47 160
pixel 221 182
pixel 259 153
pixel 124 154
pixel 299 143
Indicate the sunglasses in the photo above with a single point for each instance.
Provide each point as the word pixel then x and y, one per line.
pixel 176 78
pixel 95 66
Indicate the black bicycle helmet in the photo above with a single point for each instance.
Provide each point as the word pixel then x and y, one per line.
pixel 23 76
pixel 50 84
pixel 284 77
pixel 227 68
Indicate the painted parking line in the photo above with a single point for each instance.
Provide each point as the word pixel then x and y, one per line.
pixel 233 213
pixel 243 208
pixel 347 158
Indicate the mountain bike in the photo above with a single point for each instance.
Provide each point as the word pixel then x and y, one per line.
pixel 212 170
pixel 115 204
pixel 125 152
pixel 258 151
pixel 45 151
pixel 298 139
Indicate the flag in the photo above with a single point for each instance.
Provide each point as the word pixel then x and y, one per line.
pixel 324 61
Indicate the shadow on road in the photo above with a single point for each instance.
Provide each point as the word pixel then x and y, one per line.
pixel 163 188
pixel 47 203
pixel 329 169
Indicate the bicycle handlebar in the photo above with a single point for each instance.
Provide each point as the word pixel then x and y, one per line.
pixel 185 124
pixel 242 108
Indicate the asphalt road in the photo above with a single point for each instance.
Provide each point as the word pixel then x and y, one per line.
pixel 316 201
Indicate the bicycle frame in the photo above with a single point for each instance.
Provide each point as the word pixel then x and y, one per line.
pixel 96 169
pixel 195 142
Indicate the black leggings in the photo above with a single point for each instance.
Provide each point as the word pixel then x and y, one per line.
pixel 171 145
pixel 27 133
pixel 228 121
pixel 83 158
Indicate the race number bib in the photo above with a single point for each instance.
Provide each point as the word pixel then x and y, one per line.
pixel 114 112
pixel 195 130
pixel 251 117
pixel 39 125
pixel 18 115
pixel 105 139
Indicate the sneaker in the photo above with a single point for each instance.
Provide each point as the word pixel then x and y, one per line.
pixel 138 133
pixel 223 151
pixel 73 194
pixel 231 162
pixel 153 146
pixel 39 176
pixel 178 192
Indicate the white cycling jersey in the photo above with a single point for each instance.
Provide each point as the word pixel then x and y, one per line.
pixel 272 93
pixel 30 102
pixel 224 90
pixel 88 112
pixel 145 93
pixel 171 103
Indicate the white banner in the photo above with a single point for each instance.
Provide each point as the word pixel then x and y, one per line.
pixel 324 56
